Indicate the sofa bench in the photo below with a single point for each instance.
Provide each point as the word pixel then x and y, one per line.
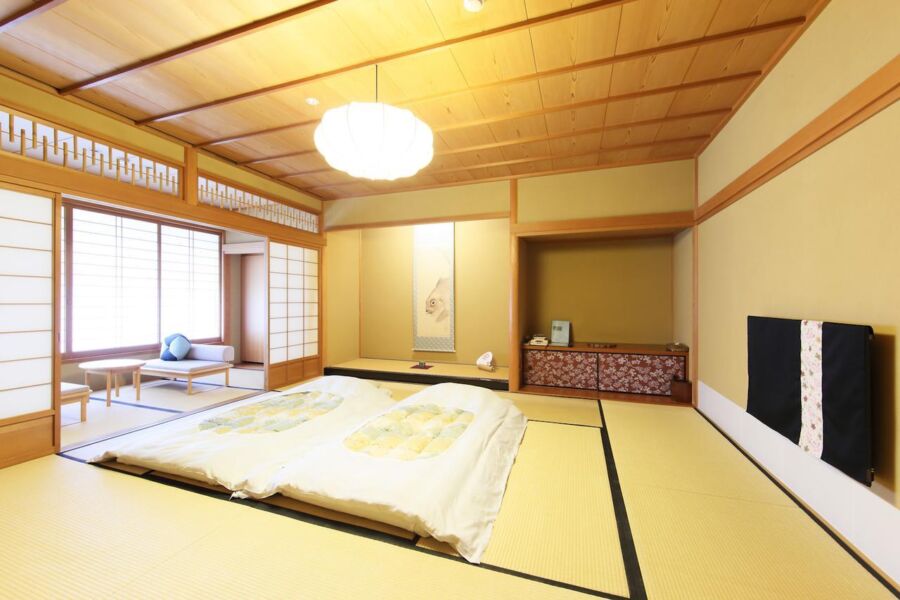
pixel 201 361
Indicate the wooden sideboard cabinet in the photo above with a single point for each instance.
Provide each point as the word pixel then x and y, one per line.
pixel 628 368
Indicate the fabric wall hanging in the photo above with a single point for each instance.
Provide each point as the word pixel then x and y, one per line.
pixel 811 382
pixel 433 288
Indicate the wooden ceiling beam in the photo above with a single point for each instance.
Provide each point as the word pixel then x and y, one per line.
pixel 186 49
pixel 27 12
pixel 508 28
pixel 597 167
pixel 547 138
pixel 686 44
pixel 518 161
pixel 551 109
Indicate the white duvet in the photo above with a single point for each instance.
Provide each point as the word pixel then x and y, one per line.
pixel 436 464
pixel 243 448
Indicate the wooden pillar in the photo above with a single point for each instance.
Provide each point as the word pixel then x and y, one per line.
pixel 189 185
pixel 515 327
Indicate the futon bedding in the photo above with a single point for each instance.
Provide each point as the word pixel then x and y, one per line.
pixel 242 448
pixel 436 464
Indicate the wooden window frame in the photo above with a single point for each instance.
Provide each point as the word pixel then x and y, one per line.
pixel 69 356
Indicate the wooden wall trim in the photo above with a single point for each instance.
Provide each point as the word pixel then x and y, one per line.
pixel 421 221
pixel 649 223
pixel 877 92
pixel 34 174
pixel 258 191
pixel 595 167
pixel 27 417
pixel 74 127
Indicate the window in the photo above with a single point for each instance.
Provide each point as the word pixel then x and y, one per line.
pixel 114 280
pixel 190 282
pixel 134 280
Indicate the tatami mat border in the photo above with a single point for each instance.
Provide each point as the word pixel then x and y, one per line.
pixel 852 552
pixel 174 417
pixel 632 570
pixel 636 589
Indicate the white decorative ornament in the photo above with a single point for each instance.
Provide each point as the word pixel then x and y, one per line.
pixel 373 140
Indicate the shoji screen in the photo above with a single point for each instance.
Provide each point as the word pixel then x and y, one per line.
pixel 293 313
pixel 26 325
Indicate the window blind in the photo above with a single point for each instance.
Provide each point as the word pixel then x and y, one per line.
pixel 114 281
pixel 190 283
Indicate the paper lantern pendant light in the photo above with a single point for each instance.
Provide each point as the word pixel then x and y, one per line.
pixel 374 140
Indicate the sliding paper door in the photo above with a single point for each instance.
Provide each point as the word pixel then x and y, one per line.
pixel 26 325
pixel 293 313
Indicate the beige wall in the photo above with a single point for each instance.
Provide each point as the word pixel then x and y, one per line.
pixel 818 242
pixel 342 308
pixel 642 189
pixel 482 293
pixel 613 291
pixel 683 287
pixel 474 199
pixel 846 43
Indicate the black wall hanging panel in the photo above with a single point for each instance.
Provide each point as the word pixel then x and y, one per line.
pixel 773 355
pixel 811 382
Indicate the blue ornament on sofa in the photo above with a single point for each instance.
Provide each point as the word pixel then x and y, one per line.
pixel 175 347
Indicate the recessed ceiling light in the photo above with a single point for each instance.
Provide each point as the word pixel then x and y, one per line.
pixel 473 5
pixel 312 101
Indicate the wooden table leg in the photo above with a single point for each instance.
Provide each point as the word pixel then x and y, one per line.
pixel 117 376
pixel 190 384
pixel 137 385
pixel 108 388
pixel 84 401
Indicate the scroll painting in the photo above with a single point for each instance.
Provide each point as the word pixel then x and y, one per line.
pixel 433 288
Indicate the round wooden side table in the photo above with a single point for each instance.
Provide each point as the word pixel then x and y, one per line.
pixel 112 369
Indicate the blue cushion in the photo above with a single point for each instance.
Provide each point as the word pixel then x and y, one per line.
pixel 175 347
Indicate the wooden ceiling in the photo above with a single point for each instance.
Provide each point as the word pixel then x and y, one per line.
pixel 523 87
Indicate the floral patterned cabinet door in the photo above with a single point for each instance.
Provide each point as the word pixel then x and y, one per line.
pixel 561 369
pixel 639 373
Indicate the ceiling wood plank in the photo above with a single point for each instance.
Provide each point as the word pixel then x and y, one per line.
pixel 561 135
pixel 23 14
pixel 508 28
pixel 551 109
pixel 203 44
pixel 674 47
pixel 518 161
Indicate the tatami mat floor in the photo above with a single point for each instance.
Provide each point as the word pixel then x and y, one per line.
pixel 703 523
pixel 708 524
pixel 552 409
pixel 160 401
